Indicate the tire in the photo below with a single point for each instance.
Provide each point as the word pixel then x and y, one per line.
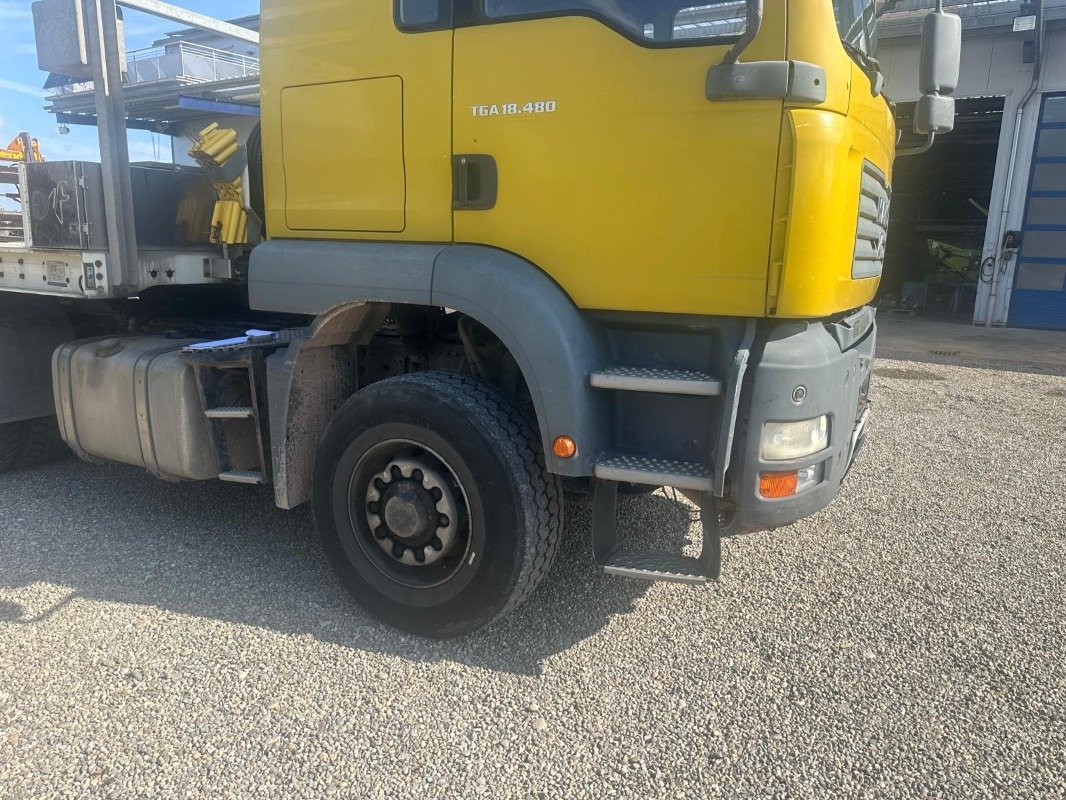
pixel 254 150
pixel 30 443
pixel 433 503
pixel 10 444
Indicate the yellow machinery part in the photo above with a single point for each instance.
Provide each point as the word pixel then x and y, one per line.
pixel 214 146
pixel 229 225
pixel 229 221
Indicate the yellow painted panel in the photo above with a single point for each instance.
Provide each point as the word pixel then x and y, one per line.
pixel 812 37
pixel 822 152
pixel 331 42
pixel 364 189
pixel 828 150
pixel 629 187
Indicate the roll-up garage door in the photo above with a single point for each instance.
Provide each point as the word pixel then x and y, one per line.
pixel 1038 299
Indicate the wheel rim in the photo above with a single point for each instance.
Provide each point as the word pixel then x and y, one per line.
pixel 410 513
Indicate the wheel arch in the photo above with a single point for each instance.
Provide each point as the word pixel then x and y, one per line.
pixel 349 287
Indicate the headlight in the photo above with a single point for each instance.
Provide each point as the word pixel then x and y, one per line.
pixel 785 441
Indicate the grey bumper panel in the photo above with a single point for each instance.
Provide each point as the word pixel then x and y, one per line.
pixel 833 363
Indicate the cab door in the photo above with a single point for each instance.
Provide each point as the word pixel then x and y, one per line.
pixel 613 171
pixel 357 118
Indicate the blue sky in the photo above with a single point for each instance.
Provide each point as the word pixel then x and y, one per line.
pixel 22 99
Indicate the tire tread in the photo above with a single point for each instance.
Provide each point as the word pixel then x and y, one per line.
pixel 547 490
pixel 11 438
pixel 29 443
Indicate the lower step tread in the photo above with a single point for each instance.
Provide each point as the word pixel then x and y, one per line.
pixel 252 476
pixel 655 566
pixel 655 472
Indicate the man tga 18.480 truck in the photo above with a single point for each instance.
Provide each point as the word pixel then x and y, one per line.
pixel 485 253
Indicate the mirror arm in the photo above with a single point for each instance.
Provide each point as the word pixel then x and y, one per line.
pixel 752 24
pixel 913 151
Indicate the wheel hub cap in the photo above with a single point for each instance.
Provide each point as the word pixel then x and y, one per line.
pixel 411 509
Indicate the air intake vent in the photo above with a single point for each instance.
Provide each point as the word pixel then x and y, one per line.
pixel 872 231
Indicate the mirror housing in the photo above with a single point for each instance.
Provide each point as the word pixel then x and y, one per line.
pixel 941 53
pixel 935 114
pixel 938 77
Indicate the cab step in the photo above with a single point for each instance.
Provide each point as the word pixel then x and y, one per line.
pixel 655 472
pixel 230 412
pixel 250 476
pixel 656 380
pixel 232 371
pixel 651 565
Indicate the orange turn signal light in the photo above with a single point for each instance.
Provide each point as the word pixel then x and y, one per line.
pixel 564 447
pixel 778 484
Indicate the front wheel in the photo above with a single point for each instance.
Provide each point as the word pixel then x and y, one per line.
pixel 29 443
pixel 434 504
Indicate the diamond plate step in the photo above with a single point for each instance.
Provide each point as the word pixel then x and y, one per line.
pixel 251 476
pixel 660 381
pixel 655 472
pixel 654 566
pixel 230 412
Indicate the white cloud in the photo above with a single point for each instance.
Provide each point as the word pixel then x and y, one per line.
pixel 21 88
pixel 10 9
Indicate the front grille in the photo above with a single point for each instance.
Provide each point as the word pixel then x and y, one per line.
pixel 874 198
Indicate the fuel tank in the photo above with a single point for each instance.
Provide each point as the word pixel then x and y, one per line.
pixel 135 401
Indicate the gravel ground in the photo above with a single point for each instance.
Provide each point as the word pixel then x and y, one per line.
pixel 186 640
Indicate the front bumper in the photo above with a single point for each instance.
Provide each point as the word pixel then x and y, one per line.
pixel 832 361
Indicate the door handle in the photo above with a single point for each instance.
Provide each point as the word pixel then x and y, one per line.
pixel 474 182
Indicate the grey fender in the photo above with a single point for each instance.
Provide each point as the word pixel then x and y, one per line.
pixel 306 383
pixel 554 344
pixel 311 277
pixel 31 328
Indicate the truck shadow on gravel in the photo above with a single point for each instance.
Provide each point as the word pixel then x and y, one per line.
pixel 227 553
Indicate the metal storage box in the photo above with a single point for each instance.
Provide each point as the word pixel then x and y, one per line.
pixel 63 206
pixel 135 401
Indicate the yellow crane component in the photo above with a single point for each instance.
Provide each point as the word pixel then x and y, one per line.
pixel 213 148
pixel 16 150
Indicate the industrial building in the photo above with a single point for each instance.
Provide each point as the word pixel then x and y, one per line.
pixel 996 184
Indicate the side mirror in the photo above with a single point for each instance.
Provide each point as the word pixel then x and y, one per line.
pixel 941 53
pixel 938 77
pixel 935 114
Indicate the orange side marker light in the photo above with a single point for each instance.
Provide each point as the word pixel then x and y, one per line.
pixel 778 484
pixel 564 447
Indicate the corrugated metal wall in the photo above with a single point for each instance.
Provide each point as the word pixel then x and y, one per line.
pixel 1039 296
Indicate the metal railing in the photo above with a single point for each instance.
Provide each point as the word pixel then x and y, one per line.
pixel 190 63
pixel 180 61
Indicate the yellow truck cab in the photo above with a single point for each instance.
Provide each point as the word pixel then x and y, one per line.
pixel 516 250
